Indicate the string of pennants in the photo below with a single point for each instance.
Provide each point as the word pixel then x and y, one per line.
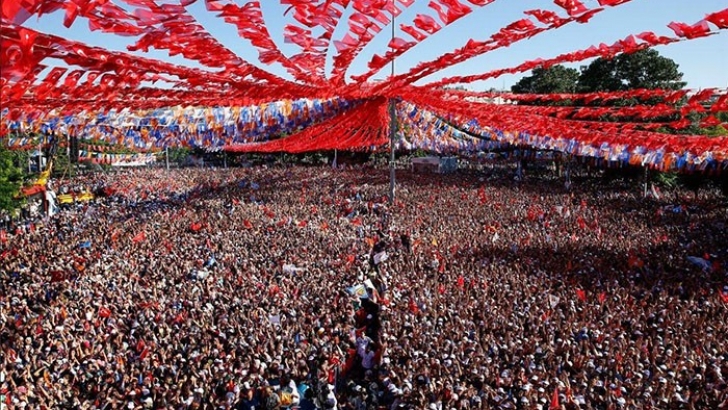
pixel 193 126
pixel 423 125
pixel 658 151
pixel 106 96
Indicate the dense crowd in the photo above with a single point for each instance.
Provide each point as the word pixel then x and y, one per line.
pixel 301 288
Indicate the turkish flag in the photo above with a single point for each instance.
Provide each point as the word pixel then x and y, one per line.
pixel 719 18
pixel 611 3
pixel 573 7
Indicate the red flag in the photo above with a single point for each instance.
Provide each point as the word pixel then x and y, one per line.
pixel 247 224
pixel 413 307
pixel 581 222
pixel 555 401
pixel 611 3
pixel 719 18
pixel 602 297
pixel 104 312
pixel 139 237
pixel 573 7
pixel 581 294
pixel 39 326
pixel 723 295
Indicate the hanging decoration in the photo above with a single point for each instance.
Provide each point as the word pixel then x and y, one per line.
pixel 52 87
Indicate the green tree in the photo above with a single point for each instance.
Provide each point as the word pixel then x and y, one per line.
pixel 555 79
pixel 11 179
pixel 715 131
pixel 176 154
pixel 643 69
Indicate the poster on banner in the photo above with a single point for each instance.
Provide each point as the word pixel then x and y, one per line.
pixel 380 257
pixel 368 284
pixel 291 269
pixel 358 291
pixel 700 262
pixel 553 301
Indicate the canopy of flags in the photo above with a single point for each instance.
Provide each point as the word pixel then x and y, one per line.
pixel 105 96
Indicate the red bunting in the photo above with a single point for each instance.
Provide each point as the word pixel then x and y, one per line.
pixel 117 81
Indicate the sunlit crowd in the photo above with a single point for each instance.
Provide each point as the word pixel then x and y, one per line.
pixel 304 288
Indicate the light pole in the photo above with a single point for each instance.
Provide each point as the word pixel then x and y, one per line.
pixel 392 127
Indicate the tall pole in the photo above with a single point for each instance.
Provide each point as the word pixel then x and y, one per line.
pixel 392 127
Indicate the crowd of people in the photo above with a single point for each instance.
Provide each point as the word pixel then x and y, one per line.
pixel 303 288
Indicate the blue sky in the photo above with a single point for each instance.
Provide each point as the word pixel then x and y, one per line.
pixel 703 61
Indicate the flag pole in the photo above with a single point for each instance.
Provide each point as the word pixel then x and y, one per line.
pixel 392 128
